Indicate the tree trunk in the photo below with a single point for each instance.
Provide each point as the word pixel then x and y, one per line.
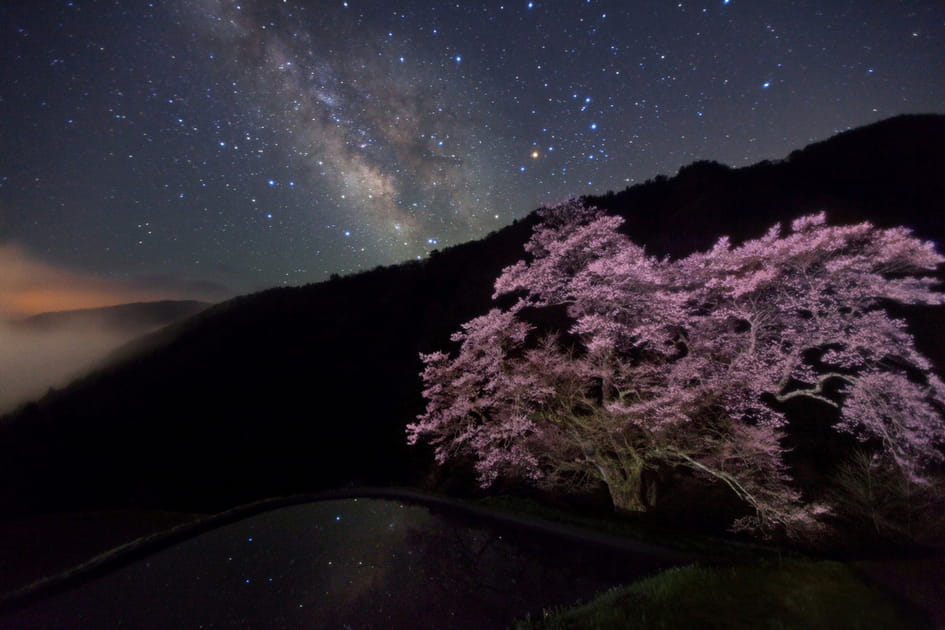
pixel 625 485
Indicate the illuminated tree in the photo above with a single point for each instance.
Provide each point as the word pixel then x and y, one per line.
pixel 686 364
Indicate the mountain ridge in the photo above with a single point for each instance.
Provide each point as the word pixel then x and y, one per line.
pixel 128 317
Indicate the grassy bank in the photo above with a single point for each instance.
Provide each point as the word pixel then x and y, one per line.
pixel 801 594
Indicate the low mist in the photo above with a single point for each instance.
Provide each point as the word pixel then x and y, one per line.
pixel 53 327
pixel 33 360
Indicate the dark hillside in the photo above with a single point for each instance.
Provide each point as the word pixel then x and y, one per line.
pixel 304 388
pixel 276 392
pixel 890 172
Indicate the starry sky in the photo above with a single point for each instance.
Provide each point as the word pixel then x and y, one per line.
pixel 206 148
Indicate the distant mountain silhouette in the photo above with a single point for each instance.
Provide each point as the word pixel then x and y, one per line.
pixel 297 389
pixel 137 317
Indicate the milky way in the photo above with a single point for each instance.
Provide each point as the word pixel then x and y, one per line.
pixel 394 153
pixel 200 148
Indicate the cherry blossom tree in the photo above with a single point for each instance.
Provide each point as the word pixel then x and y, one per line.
pixel 687 364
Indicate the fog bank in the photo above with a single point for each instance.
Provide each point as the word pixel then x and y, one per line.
pixel 32 361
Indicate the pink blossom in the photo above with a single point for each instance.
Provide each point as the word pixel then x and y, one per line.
pixel 676 362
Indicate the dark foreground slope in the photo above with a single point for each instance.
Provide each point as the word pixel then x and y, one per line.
pixel 298 389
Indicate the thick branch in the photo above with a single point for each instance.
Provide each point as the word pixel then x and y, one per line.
pixel 726 478
pixel 817 391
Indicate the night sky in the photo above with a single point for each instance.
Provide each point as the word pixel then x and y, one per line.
pixel 205 148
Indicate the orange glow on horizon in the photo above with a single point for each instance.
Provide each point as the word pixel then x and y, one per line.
pixel 41 300
pixel 29 286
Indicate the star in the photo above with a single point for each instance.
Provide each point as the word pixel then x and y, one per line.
pixel 415 117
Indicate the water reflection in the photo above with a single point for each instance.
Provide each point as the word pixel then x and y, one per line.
pixel 367 563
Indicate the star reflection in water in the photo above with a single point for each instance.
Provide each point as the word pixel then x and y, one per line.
pixel 364 563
